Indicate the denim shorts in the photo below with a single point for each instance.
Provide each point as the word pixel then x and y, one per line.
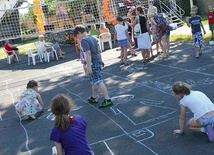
pixel 206 121
pixel 201 122
pixel 96 77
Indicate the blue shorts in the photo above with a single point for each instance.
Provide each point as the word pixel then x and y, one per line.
pixel 197 39
pixel 123 42
pixel 96 77
pixel 201 122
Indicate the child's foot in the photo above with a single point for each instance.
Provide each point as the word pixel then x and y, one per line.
pixel 197 55
pixel 32 116
pixel 210 133
pixel 106 103
pixel 133 55
pixel 93 100
pixel 24 117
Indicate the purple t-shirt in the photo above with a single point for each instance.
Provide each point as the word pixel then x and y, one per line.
pixel 73 140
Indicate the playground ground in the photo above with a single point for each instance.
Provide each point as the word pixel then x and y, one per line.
pixel 144 113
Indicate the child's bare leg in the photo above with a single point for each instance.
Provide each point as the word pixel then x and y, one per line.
pixel 95 89
pixel 103 90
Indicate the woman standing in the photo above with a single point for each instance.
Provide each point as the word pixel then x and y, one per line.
pixel 143 40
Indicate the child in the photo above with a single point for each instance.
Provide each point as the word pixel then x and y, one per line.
pixel 122 37
pixel 30 102
pixel 195 23
pixel 93 31
pixel 201 107
pixel 94 63
pixel 210 16
pixel 69 132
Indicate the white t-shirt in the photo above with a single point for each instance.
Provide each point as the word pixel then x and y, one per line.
pixel 198 103
pixel 42 44
pixel 121 31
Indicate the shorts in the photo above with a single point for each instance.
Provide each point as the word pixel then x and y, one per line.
pixel 96 77
pixel 201 122
pixel 211 27
pixel 123 42
pixel 197 39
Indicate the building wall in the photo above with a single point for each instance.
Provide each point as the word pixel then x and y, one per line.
pixel 203 5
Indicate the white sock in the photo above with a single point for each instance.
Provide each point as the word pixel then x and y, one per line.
pixel 203 129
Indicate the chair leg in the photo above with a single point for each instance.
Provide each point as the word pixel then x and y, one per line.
pixel 102 46
pixel 34 61
pixel 8 60
pixel 56 55
pixel 110 44
pixel 28 60
pixel 48 57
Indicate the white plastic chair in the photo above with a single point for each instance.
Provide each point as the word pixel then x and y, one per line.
pixel 41 53
pixel 11 56
pixel 32 56
pixel 46 53
pixel 104 37
pixel 51 51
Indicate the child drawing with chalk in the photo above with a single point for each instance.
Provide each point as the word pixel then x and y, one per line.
pixel 201 107
pixel 69 132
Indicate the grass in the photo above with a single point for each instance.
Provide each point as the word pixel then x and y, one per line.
pixel 188 37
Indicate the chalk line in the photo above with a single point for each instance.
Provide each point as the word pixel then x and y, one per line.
pixel 20 122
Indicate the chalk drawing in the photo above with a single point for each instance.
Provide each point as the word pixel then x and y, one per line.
pixel 206 81
pixel 200 69
pixel 51 116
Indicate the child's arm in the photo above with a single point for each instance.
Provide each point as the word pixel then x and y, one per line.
pixel 115 36
pixel 58 148
pixel 181 121
pixel 88 60
pixel 203 28
pixel 39 98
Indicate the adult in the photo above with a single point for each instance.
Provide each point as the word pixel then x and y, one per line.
pixel 30 101
pixel 162 32
pixel 45 46
pixel 10 49
pixel 143 40
pixel 104 29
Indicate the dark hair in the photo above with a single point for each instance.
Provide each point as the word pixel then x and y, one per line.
pixel 79 28
pixel 140 9
pixel 31 84
pixel 60 106
pixel 181 88
pixel 120 19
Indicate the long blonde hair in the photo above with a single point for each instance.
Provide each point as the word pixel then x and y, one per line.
pixel 60 106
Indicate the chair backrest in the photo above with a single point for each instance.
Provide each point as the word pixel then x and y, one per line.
pixel 105 36
pixel 40 48
pixel 29 52
pixel 36 43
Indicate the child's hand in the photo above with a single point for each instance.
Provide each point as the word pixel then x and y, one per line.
pixel 102 63
pixel 177 131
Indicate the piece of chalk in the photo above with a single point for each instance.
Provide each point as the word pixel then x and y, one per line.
pixel 54 150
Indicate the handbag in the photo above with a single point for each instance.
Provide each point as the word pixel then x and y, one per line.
pixel 137 29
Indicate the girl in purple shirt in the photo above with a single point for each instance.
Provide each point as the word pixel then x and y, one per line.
pixel 69 132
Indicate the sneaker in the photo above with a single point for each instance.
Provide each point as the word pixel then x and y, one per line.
pixel 32 116
pixel 122 63
pixel 210 133
pixel 133 55
pixel 93 100
pixel 106 104
pixel 24 117
pixel 197 55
